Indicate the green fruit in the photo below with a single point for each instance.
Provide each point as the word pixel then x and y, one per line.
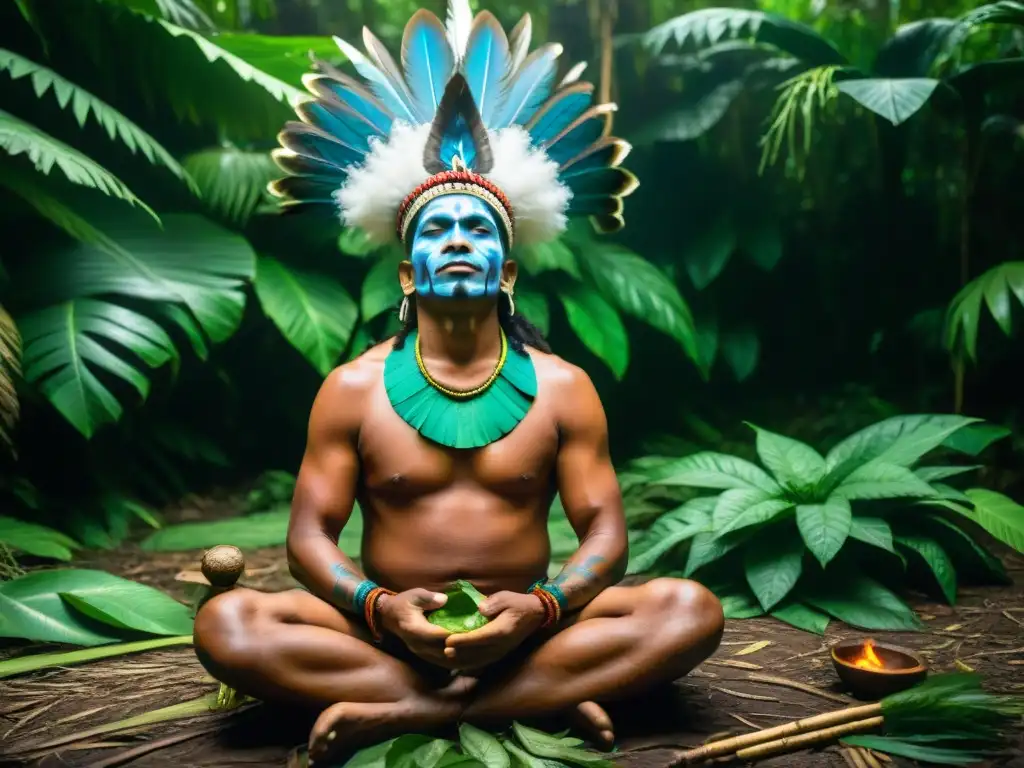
pixel 460 613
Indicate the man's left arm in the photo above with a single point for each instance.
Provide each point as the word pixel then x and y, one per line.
pixel 590 494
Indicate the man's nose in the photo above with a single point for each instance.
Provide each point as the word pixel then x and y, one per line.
pixel 457 244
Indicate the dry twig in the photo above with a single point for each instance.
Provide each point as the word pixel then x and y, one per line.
pixel 741 695
pixel 785 682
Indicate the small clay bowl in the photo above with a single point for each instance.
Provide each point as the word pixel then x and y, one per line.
pixel 903 669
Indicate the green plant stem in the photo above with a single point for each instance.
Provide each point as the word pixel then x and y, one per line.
pixel 30 663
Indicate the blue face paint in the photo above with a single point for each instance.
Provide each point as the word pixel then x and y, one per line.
pixel 457 250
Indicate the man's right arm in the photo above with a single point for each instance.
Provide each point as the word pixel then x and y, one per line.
pixel 325 492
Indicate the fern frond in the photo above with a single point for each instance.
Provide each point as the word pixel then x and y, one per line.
pixel 83 104
pixel 232 182
pixel 10 367
pixel 801 98
pixel 18 137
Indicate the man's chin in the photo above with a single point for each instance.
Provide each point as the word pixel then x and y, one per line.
pixel 458 301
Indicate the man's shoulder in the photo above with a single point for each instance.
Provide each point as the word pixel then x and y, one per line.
pixel 559 374
pixel 357 376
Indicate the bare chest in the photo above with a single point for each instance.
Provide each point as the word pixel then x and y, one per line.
pixel 398 463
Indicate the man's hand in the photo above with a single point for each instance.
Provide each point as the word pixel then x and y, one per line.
pixel 513 617
pixel 403 616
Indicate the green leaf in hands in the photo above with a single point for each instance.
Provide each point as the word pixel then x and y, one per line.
pixel 824 527
pixel 999 515
pixel 794 464
pixel 895 99
pixel 802 617
pixel 936 559
pixel 773 567
pixel 484 747
pixel 460 613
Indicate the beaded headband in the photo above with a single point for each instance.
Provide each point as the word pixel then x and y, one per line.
pixel 455 182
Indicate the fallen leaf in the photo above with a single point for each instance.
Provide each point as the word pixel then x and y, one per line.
pixel 953 627
pixel 963 667
pixel 753 648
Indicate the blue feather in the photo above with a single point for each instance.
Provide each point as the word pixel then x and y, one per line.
pixel 559 112
pixel 603 153
pixel 595 205
pixel 585 130
pixel 613 182
pixel 427 60
pixel 304 139
pixel 530 87
pixel 338 121
pixel 487 63
pixel 381 86
pixel 337 86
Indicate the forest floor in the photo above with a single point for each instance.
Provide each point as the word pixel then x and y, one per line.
pixel 765 673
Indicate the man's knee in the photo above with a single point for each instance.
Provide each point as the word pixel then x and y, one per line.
pixel 225 631
pixel 686 603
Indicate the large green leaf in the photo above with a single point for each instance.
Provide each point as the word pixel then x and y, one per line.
pixel 10 369
pixel 669 531
pixel 68 344
pixel 975 438
pixel 34 608
pixel 774 567
pixel 881 480
pixel 914 48
pixel 36 539
pixel 284 57
pixel 802 617
pixel 709 253
pixel 874 531
pixel 999 515
pixel 925 753
pixel 898 440
pixel 707 548
pixel 708 26
pixel 895 99
pixel 547 257
pixel 461 611
pixel 638 288
pixel 534 307
pixel 741 508
pixel 313 312
pixel 864 603
pixel 484 747
pixel 544 745
pixel 824 527
pixel 192 262
pixel 715 470
pixel 83 105
pixel 793 463
pixel 741 350
pixel 936 559
pixel 232 182
pixel 692 120
pixel 44 152
pixel 381 290
pixel 998 287
pixel 957 541
pixel 598 325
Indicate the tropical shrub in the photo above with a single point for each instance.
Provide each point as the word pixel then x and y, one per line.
pixel 807 537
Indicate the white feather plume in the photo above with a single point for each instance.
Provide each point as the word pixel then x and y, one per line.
pixel 459 23
pixel 374 191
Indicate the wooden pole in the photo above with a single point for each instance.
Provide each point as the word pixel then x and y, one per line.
pixel 731 745
pixel 804 740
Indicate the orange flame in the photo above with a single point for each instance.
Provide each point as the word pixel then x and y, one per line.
pixel 868 659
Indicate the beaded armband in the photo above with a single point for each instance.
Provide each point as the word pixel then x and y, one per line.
pixel 365 601
pixel 554 602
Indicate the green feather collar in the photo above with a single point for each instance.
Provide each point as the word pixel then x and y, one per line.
pixel 459 423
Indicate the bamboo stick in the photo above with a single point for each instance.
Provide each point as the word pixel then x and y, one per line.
pixel 869 758
pixel 728 746
pixel 809 739
pixel 853 758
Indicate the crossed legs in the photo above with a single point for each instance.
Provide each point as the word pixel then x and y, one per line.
pixel 294 647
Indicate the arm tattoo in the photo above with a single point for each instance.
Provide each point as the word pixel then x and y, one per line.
pixel 574 577
pixel 345 582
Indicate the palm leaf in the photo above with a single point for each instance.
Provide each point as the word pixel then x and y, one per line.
pixel 997 288
pixel 10 367
pixel 83 104
pixel 66 345
pixel 18 137
pixel 182 12
pixel 709 26
pixel 232 182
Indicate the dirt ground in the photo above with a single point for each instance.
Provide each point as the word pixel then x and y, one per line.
pixel 50 719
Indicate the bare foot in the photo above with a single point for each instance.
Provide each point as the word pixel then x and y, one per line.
pixel 591 718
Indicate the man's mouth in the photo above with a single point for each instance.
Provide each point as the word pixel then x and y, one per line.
pixel 457 268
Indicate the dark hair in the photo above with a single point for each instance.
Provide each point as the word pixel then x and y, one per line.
pixel 520 331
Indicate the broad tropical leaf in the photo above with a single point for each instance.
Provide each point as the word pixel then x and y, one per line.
pixel 232 182
pixel 874 531
pixel 1000 288
pixel 693 120
pixel 534 307
pixel 83 105
pixel 739 604
pixel 37 540
pixel 793 463
pixel 999 515
pixel 936 559
pixel 548 257
pixel 313 312
pixel 707 548
pixel 741 350
pixel 483 747
pixel 192 262
pixel 773 569
pixel 381 289
pixel 284 57
pixel 975 438
pixel 10 368
pixel 957 541
pixel 881 480
pixel 914 48
pixel 895 99
pixel 715 470
pixel 68 344
pixel 864 603
pixel 18 137
pixel 638 288
pixel 711 25
pixel 597 325
pixel 802 617
pixel 824 527
pixel 669 531
pixel 741 508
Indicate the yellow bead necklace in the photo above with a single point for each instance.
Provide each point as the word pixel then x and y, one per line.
pixel 466 393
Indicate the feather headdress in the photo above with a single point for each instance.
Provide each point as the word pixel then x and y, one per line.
pixel 470 111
